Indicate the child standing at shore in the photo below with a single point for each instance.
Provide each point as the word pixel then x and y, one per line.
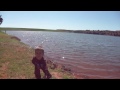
pixel 40 63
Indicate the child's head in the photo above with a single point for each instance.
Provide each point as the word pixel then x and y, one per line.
pixel 39 52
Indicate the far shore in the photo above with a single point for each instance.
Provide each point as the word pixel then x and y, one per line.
pixel 94 32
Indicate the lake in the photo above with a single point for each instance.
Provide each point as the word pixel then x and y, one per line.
pixel 95 56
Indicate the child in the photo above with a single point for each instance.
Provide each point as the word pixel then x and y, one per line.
pixel 40 63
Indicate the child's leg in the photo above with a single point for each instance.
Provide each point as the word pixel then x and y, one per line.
pixel 37 74
pixel 47 73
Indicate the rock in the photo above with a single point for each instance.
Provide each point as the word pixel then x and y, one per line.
pixel 66 69
pixel 53 66
pixel 14 37
pixel 49 62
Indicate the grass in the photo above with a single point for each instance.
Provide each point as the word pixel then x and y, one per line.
pixel 15 61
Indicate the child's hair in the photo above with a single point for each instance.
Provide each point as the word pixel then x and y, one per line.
pixel 39 48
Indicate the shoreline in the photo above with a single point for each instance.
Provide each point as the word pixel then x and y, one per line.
pixel 54 65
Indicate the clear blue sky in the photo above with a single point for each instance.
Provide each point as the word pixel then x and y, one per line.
pixel 72 20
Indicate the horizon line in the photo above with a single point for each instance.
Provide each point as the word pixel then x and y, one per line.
pixel 57 29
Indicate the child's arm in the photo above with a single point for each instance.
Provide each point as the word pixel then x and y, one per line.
pixel 33 61
pixel 45 64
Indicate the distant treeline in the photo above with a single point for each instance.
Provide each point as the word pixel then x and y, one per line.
pixel 98 32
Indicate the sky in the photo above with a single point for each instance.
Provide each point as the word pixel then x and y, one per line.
pixel 69 20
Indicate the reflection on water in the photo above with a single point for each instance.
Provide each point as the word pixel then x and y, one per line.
pixel 92 55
